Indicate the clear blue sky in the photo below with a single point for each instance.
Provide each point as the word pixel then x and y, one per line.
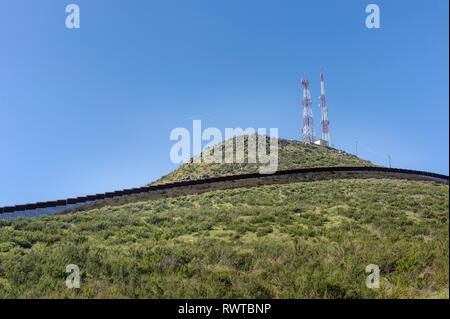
pixel 90 110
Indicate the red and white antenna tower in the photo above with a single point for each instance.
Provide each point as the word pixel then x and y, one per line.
pixel 323 105
pixel 308 123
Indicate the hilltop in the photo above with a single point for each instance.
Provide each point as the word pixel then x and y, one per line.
pixel 291 154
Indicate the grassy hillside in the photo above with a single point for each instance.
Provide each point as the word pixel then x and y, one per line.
pixel 291 154
pixel 303 240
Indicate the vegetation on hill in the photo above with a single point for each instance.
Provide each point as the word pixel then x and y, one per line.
pixel 302 240
pixel 291 154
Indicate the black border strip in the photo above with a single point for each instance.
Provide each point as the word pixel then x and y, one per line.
pixel 64 202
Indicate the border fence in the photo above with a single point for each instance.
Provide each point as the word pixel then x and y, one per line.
pixel 78 201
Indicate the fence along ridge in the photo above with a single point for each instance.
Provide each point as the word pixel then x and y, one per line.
pixel 149 188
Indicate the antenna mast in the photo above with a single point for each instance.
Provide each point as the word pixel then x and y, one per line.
pixel 323 105
pixel 308 123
